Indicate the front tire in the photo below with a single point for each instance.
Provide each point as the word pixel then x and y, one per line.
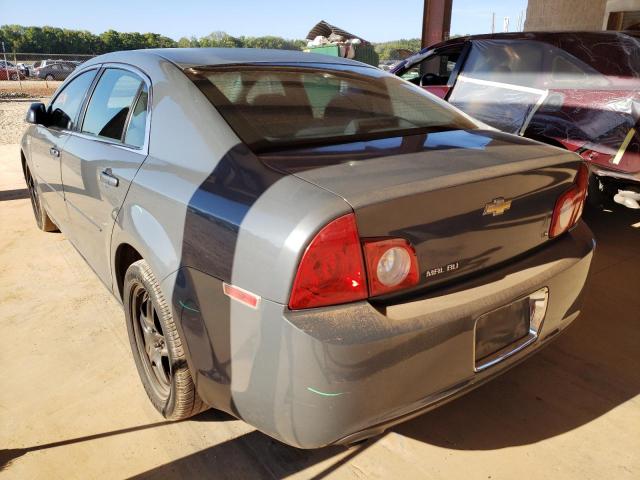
pixel 49 78
pixel 157 347
pixel 43 221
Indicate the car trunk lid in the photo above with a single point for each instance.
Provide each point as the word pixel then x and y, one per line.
pixel 466 200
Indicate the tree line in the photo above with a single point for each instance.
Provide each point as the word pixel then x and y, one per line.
pixel 18 38
pixel 22 39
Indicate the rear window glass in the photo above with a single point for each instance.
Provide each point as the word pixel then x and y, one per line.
pixel 277 106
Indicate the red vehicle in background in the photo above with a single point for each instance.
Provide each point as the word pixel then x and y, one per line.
pixel 576 90
pixel 8 71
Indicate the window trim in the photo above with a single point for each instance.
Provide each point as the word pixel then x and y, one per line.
pixel 144 149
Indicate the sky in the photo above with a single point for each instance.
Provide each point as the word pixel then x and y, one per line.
pixel 374 20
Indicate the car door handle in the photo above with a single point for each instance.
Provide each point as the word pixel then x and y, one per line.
pixel 107 177
pixel 54 152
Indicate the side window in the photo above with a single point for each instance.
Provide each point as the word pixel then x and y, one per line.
pixel 435 69
pixel 110 103
pixel 66 105
pixel 569 72
pixel 135 133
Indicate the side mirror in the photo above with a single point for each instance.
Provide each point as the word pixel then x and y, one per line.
pixel 37 114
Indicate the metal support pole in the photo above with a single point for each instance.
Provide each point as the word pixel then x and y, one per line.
pixel 436 21
pixel 15 63
pixel 6 66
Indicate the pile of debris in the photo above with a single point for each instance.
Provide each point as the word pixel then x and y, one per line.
pixel 328 39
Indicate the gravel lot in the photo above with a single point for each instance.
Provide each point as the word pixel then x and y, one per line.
pixel 12 112
pixel 32 88
pixel 12 121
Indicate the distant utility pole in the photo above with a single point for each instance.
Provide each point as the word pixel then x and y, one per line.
pixel 505 24
pixel 493 22
pixel 521 21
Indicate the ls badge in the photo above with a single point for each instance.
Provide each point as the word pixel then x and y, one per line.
pixel 497 206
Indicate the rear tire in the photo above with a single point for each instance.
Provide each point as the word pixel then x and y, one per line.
pixel 49 78
pixel 13 76
pixel 157 347
pixel 43 221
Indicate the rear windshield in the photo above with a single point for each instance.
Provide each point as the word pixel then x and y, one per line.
pixel 271 107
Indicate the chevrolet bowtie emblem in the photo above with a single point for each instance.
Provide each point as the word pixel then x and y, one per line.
pixel 497 206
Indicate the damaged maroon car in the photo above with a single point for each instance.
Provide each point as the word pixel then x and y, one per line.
pixel 576 90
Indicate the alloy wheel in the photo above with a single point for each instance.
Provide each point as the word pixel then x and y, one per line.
pixel 150 340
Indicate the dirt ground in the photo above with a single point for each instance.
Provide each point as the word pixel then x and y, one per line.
pixel 32 88
pixel 71 404
pixel 12 112
pixel 12 122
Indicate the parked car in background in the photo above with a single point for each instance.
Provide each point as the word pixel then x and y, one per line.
pixel 303 241
pixel 577 90
pixel 54 70
pixel 9 71
pixel 44 63
pixel 24 69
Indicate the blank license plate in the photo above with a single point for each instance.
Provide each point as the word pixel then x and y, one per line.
pixel 502 327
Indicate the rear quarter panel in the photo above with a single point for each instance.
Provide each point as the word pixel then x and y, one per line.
pixel 187 139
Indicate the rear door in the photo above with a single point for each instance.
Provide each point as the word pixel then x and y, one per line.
pixel 101 159
pixel 47 142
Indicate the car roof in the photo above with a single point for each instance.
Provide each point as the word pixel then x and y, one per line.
pixel 536 35
pixel 193 57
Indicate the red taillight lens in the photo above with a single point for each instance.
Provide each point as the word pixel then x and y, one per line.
pixel 332 269
pixel 391 265
pixel 569 206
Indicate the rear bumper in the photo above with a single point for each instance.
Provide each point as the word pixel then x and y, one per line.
pixel 339 374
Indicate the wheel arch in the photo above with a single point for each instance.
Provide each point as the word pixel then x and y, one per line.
pixel 125 255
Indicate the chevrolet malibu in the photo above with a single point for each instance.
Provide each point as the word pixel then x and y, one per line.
pixel 311 244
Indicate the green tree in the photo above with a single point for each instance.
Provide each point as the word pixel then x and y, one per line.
pixel 53 40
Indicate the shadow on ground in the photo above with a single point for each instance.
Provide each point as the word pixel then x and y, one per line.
pixel 587 372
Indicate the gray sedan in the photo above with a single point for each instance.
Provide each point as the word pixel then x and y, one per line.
pixel 308 243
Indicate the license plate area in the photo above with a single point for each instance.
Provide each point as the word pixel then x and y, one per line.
pixel 507 330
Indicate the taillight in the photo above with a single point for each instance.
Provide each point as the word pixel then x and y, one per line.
pixel 569 205
pixel 332 269
pixel 391 265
